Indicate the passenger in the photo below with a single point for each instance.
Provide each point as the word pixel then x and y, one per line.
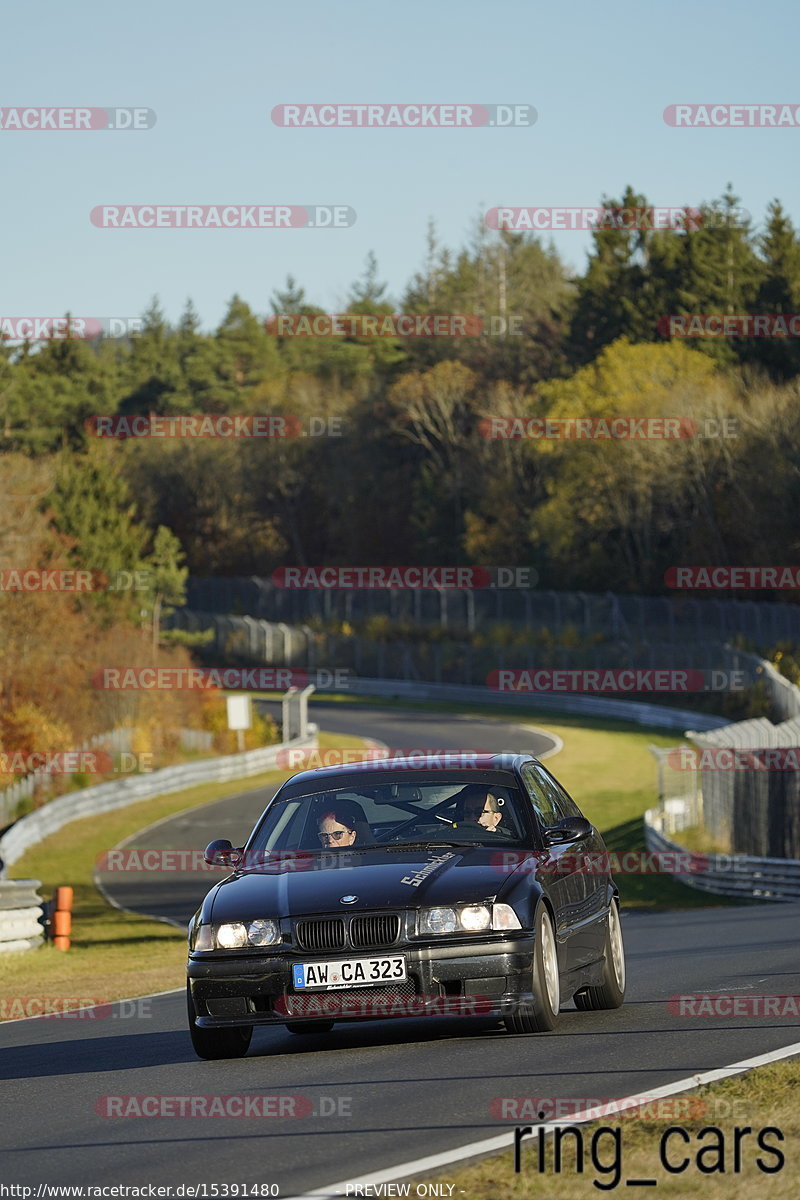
pixel 477 804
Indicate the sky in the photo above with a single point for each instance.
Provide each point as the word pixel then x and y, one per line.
pixel 599 76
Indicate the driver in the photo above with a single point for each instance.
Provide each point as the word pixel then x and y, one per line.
pixel 477 804
pixel 343 824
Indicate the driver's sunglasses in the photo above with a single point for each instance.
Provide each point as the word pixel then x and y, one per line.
pixel 336 836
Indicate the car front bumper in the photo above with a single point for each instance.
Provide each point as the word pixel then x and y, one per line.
pixel 453 979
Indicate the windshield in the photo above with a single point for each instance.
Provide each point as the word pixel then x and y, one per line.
pixel 396 814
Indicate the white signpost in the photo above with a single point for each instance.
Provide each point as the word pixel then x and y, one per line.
pixel 239 716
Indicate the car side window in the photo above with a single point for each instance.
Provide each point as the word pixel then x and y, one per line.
pixel 565 805
pixel 540 797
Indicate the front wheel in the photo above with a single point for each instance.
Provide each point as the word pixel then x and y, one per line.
pixel 540 1015
pixel 610 992
pixel 217 1043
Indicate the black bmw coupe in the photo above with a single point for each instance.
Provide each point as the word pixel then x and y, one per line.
pixel 410 887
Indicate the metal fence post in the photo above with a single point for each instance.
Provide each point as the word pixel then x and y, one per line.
pixel 302 706
pixel 286 714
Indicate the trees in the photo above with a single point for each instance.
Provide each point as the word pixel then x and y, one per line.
pixel 516 287
pixel 248 354
pixel 91 506
pixel 618 512
pixel 779 292
pixel 436 412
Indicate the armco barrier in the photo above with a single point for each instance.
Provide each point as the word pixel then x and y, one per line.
pixel 109 796
pixel 730 875
pixel 654 715
pixel 20 913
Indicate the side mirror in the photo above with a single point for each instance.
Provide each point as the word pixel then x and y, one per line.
pixel 571 829
pixel 221 853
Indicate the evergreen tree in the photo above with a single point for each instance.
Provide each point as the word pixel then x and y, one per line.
pixel 779 293
pixel 248 354
pixel 153 373
pixel 91 505
pixel 719 272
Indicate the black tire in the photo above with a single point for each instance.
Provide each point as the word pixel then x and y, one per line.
pixel 233 1042
pixel 540 1015
pixel 309 1026
pixel 611 992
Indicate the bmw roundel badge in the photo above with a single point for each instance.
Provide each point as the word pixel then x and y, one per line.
pixel 347 899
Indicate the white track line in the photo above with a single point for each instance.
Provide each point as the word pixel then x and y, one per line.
pixel 433 1162
pixel 86 1007
pixel 558 744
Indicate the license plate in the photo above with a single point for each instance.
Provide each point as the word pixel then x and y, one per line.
pixel 349 972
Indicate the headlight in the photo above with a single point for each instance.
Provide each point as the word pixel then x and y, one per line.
pixel 231 937
pixel 438 920
pixel 475 918
pixel 239 934
pixel 263 932
pixel 472 918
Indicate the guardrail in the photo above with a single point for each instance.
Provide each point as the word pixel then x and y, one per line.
pixel 107 797
pixel 114 741
pixel 654 715
pixel 20 913
pixel 727 874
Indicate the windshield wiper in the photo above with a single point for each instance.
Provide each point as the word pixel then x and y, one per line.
pixel 426 845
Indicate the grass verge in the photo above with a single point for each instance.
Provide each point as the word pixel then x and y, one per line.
pixel 757 1100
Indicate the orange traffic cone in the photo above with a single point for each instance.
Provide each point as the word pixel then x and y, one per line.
pixel 61 925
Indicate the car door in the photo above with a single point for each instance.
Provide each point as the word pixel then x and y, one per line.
pixel 559 869
pixel 590 879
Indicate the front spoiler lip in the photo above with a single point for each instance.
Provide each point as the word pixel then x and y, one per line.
pixel 498 1006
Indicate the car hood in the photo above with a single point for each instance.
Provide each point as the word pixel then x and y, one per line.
pixel 377 878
